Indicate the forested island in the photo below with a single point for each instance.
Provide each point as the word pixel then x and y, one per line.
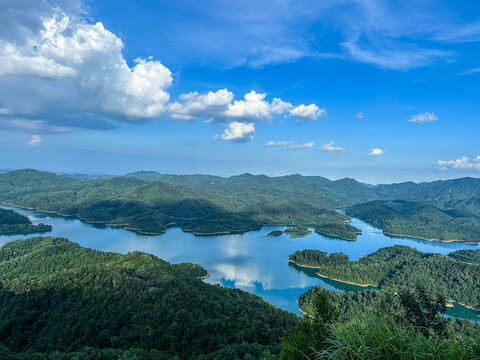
pixel 14 223
pixel 398 267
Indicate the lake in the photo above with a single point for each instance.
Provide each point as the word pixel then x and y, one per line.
pixel 246 261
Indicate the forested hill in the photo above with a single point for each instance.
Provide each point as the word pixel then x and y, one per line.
pixel 407 218
pixel 204 204
pixel 61 301
pixel 14 223
pixel 207 204
pixel 398 267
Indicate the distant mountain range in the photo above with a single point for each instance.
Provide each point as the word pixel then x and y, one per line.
pixel 206 204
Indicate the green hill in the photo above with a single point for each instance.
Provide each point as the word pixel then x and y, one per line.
pixel 407 218
pixel 61 301
pixel 399 267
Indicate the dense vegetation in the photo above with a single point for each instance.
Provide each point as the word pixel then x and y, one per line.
pixel 409 218
pixel 370 324
pixel 61 301
pixel 14 223
pixel 398 267
pixel 205 204
pixel 149 202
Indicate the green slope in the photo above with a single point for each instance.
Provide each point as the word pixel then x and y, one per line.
pixel 399 267
pixel 60 300
pixel 415 219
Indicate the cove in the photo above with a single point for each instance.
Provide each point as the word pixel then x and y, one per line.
pixel 246 261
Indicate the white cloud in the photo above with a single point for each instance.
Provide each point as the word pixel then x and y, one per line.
pixel 219 106
pixel 66 66
pixel 36 140
pixel 360 115
pixel 197 105
pixel 395 56
pixel 463 163
pixel 238 131
pixel 421 118
pixel 32 126
pixel 308 112
pixel 376 152
pixel 331 147
pixel 290 144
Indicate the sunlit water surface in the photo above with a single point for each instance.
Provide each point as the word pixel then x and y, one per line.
pixel 247 261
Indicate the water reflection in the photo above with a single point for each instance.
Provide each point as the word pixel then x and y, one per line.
pixel 248 261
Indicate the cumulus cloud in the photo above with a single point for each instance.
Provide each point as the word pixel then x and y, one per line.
pixel 359 115
pixel 196 105
pixel 66 66
pixel 61 71
pixel 462 163
pixel 308 112
pixel 376 152
pixel 331 147
pixel 220 106
pixel 36 140
pixel 291 144
pixel 238 131
pixel 421 118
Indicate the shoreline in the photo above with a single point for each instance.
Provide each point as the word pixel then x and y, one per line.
pixel 423 238
pixel 106 223
pixel 449 304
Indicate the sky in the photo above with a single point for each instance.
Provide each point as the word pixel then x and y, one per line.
pixel 381 91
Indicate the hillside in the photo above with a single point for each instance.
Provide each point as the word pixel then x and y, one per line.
pixel 407 218
pixel 398 267
pixel 14 223
pixel 64 301
pixel 149 202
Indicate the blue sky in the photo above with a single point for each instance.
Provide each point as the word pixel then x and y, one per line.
pixel 382 91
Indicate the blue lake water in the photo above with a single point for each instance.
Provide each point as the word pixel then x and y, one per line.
pixel 247 261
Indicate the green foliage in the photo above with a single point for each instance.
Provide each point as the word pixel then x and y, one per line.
pixel 65 302
pixel 374 325
pixel 423 312
pixel 312 332
pixel 14 223
pixel 401 217
pixel 381 337
pixel 398 267
pixel 468 256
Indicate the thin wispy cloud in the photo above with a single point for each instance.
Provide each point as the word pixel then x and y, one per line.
pixel 36 140
pixel 422 118
pixel 331 147
pixel 290 145
pixel 360 115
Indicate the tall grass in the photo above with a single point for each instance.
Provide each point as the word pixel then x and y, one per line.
pixel 382 338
